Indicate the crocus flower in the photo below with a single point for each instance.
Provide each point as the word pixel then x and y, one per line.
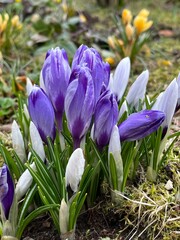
pixel 36 141
pixel 79 105
pixel 24 183
pixel 115 150
pixel 178 101
pixel 56 73
pixel 137 90
pixel 167 102
pixel 75 169
pixel 63 217
pixel 126 16
pixel 105 117
pixel 6 190
pixel 100 70
pixel 141 124
pixel 42 113
pixel 142 24
pixel 17 141
pixel 119 80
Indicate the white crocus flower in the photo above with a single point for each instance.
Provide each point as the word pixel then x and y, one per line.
pixel 115 149
pixel 167 101
pixel 138 89
pixel 24 183
pixel 17 141
pixel 29 86
pixel 75 169
pixel 178 83
pixel 122 110
pixel 41 82
pixel 36 141
pixel 63 217
pixel 119 80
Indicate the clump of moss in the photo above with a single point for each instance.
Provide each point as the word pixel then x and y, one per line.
pixel 151 209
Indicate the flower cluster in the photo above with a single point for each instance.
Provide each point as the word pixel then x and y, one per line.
pixel 83 128
pixel 132 34
pixel 9 29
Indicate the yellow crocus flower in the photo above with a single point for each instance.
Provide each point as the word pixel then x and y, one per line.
pixel 110 60
pixel 111 41
pixel 143 13
pixel 126 16
pixel 6 17
pixel 129 31
pixel 15 22
pixel 142 24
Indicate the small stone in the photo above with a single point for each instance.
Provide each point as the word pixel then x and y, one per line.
pixel 169 185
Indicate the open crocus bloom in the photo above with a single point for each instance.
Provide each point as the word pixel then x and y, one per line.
pixel 141 124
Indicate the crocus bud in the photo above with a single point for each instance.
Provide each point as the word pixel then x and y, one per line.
pixel 75 169
pixel 24 183
pixel 56 73
pixel 115 150
pixel 120 78
pixel 100 70
pixel 17 141
pixel 178 101
pixel 122 110
pixel 29 86
pixel 42 113
pixel 141 124
pixel 79 105
pixel 105 117
pixel 36 141
pixel 137 90
pixel 6 190
pixel 63 217
pixel 167 102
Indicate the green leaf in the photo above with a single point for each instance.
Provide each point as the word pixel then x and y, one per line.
pixel 33 215
pixel 9 161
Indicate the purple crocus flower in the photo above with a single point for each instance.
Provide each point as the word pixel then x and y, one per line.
pixel 105 117
pixel 79 104
pixel 141 124
pixel 56 73
pixel 42 113
pixel 6 190
pixel 100 70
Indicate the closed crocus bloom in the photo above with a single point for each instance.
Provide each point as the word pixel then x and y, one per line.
pixel 63 217
pixel 79 105
pixel 75 169
pixel 167 102
pixel 17 141
pixel 129 31
pixel 126 16
pixel 119 80
pixel 100 70
pixel 142 24
pixel 141 124
pixel 24 183
pixel 105 117
pixel 36 141
pixel 115 150
pixel 6 190
pixel 137 90
pixel 56 73
pixel 42 113
pixel 178 101
pixel 144 13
